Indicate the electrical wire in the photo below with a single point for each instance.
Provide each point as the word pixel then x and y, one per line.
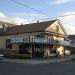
pixel 52 18
pixel 23 4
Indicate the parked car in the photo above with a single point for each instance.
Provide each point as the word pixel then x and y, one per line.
pixel 67 52
pixel 1 56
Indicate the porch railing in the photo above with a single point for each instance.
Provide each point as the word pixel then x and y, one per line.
pixel 32 40
pixel 40 40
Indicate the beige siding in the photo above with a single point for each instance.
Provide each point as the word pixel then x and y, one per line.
pixel 53 28
pixel 2 43
pixel 3 39
pixel 58 38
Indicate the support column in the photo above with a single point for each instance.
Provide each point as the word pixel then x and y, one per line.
pixel 42 50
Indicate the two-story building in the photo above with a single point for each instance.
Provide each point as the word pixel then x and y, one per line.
pixel 39 39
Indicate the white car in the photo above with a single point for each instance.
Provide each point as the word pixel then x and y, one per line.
pixel 1 56
pixel 67 52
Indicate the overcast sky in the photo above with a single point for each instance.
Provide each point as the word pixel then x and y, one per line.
pixel 49 8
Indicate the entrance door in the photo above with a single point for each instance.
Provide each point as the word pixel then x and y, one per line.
pixel 23 48
pixel 37 50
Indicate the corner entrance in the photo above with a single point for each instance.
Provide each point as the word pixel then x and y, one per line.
pixel 37 50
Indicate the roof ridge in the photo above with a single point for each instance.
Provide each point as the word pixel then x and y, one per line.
pixel 32 23
pixel 32 27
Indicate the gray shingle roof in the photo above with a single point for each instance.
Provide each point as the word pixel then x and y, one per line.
pixel 34 27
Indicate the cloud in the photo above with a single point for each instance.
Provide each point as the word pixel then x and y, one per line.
pixel 12 20
pixel 19 21
pixel 21 17
pixel 24 17
pixel 2 15
pixel 58 2
pixel 5 19
pixel 67 13
pixel 29 16
pixel 68 21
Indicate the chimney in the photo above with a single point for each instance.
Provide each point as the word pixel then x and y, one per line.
pixel 37 21
pixel 4 27
pixel 21 24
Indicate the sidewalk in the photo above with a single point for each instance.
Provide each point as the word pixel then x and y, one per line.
pixel 39 61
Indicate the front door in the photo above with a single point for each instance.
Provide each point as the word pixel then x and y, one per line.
pixel 23 48
pixel 37 50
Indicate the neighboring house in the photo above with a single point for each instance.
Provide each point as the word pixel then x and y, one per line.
pixel 39 39
pixel 72 42
pixel 72 38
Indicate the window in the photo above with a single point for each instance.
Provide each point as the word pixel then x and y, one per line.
pixel 8 45
pixel 57 28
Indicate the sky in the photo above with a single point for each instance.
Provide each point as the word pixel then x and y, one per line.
pixel 47 8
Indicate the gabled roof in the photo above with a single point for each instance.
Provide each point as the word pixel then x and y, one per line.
pixel 34 27
pixel 29 28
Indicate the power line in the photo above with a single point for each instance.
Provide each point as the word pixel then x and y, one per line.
pixel 66 15
pixel 61 16
pixel 23 4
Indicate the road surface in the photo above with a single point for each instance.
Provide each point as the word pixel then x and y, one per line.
pixel 61 68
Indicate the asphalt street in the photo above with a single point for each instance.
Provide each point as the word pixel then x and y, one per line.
pixel 59 68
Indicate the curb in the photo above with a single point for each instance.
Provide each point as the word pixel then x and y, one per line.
pixel 37 61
